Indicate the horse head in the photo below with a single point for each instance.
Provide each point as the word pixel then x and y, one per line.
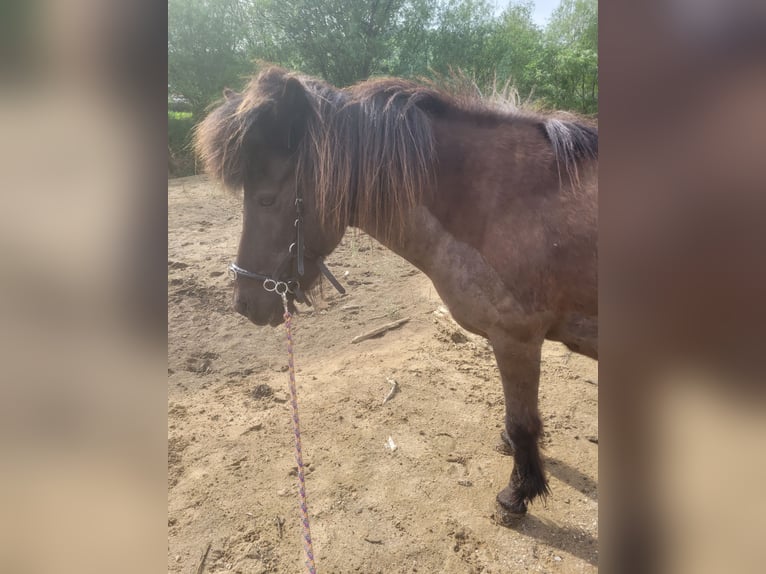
pixel 252 142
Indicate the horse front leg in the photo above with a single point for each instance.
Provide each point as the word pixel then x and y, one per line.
pixel 519 364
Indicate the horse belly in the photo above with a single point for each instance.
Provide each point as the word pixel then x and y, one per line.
pixel 578 332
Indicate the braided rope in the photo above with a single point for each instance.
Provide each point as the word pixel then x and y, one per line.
pixel 307 546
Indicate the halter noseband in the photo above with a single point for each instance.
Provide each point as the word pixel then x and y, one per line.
pixel 296 254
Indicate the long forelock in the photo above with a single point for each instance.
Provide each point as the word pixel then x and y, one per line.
pixel 221 139
pixel 219 143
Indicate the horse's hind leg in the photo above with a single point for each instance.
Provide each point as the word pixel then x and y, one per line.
pixel 519 364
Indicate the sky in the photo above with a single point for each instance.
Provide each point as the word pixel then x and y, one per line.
pixel 543 10
pixel 540 13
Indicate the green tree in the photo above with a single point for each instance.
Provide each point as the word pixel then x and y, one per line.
pixel 343 41
pixel 207 49
pixel 409 51
pixel 463 38
pixel 517 48
pixel 570 58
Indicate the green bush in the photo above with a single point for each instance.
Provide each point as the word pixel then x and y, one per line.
pixel 180 153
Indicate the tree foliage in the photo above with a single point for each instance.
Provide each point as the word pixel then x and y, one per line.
pixel 343 41
pixel 207 48
pixel 570 70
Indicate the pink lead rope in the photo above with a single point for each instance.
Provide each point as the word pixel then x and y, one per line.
pixel 307 546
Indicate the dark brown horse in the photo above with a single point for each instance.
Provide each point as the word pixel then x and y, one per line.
pixel 498 208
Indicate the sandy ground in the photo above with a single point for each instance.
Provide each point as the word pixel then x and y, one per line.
pixel 427 506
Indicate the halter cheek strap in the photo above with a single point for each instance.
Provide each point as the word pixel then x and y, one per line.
pixel 330 277
pixel 299 234
pixel 296 253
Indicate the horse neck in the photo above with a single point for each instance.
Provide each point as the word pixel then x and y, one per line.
pixel 484 170
pixel 417 238
pixel 469 195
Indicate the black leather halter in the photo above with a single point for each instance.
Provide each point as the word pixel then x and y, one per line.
pixel 296 254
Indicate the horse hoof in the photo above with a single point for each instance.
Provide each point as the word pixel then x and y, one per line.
pixel 507 518
pixel 509 507
pixel 504 445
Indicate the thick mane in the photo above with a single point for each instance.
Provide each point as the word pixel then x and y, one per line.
pixel 367 152
pixel 374 158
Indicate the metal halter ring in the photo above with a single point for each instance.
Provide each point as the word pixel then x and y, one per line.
pixel 278 287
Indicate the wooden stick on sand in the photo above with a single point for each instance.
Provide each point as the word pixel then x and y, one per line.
pixel 380 330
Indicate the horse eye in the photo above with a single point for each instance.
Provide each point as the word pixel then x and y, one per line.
pixel 266 200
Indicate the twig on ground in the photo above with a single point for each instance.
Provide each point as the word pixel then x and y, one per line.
pixel 373 541
pixel 392 392
pixel 201 567
pixel 379 330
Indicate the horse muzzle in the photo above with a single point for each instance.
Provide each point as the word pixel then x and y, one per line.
pixel 261 310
